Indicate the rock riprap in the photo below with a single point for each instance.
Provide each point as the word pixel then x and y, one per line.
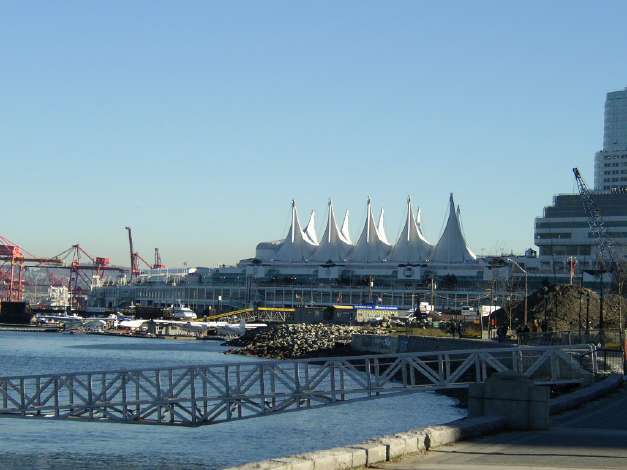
pixel 296 340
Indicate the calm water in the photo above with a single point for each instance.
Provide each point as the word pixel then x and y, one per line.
pixel 59 444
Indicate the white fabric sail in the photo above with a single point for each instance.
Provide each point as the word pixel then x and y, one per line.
pixel 345 232
pixel 296 247
pixel 411 246
pixel 371 246
pixel 381 228
pixel 333 246
pixel 452 248
pixel 310 229
pixel 419 225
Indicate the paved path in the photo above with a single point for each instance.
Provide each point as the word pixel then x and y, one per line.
pixel 594 436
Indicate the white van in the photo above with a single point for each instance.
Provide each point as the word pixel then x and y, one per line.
pixel 468 312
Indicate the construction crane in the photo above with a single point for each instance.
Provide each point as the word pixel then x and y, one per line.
pixel 13 262
pixel 134 263
pixel 79 281
pixel 606 260
pixel 605 255
pixel 136 258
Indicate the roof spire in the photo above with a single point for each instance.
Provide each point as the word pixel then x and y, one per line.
pixel 296 247
pixel 368 219
pixel 411 246
pixel 294 218
pixel 330 216
pixel 372 245
pixel 333 247
pixel 452 247
pixel 409 218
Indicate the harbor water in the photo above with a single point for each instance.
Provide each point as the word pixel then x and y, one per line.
pixel 42 444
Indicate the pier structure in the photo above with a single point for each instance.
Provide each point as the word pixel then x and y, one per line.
pixel 200 395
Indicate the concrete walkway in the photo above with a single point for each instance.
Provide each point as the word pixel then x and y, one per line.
pixel 594 436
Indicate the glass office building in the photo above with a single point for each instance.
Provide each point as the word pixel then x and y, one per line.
pixel 610 164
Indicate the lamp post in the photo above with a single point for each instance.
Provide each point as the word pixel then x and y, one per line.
pixel 526 283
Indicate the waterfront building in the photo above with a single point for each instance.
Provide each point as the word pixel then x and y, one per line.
pixel 610 164
pixel 302 269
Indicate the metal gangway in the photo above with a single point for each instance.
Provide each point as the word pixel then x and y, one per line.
pixel 208 394
pixel 232 313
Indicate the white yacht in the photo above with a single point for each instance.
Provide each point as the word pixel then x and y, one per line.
pixel 181 312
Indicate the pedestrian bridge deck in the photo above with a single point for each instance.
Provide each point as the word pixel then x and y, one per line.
pixel 208 394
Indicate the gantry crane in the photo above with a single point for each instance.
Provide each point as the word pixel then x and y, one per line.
pixel 13 262
pixel 79 281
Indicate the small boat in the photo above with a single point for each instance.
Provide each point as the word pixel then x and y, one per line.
pixel 181 312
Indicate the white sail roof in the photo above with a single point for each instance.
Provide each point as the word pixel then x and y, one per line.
pixel 411 246
pixel 371 247
pixel 452 248
pixel 345 232
pixel 333 245
pixel 381 228
pixel 296 247
pixel 310 229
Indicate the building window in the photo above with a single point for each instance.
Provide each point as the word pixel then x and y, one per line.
pixel 553 236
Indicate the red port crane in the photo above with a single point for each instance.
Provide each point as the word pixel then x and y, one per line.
pixel 158 264
pixel 79 281
pixel 13 262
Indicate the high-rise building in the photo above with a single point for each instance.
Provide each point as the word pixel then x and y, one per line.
pixel 610 164
pixel 563 232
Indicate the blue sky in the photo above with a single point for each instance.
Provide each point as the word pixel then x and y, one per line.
pixel 197 122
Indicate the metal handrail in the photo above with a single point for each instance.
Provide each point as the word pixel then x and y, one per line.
pixel 207 394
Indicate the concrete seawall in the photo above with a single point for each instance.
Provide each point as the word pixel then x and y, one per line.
pixel 384 344
pixel 421 440
pixel 385 448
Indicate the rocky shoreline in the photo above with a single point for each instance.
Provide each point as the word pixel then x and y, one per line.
pixel 298 341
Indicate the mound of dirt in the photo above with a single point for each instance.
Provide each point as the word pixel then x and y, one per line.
pixel 559 308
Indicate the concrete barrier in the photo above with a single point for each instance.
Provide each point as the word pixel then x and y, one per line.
pixel 524 404
pixel 385 344
pixel 376 452
pixel 591 392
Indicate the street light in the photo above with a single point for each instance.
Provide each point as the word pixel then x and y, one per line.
pixel 509 260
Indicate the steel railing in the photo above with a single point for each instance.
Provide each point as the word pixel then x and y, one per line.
pixel 206 394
